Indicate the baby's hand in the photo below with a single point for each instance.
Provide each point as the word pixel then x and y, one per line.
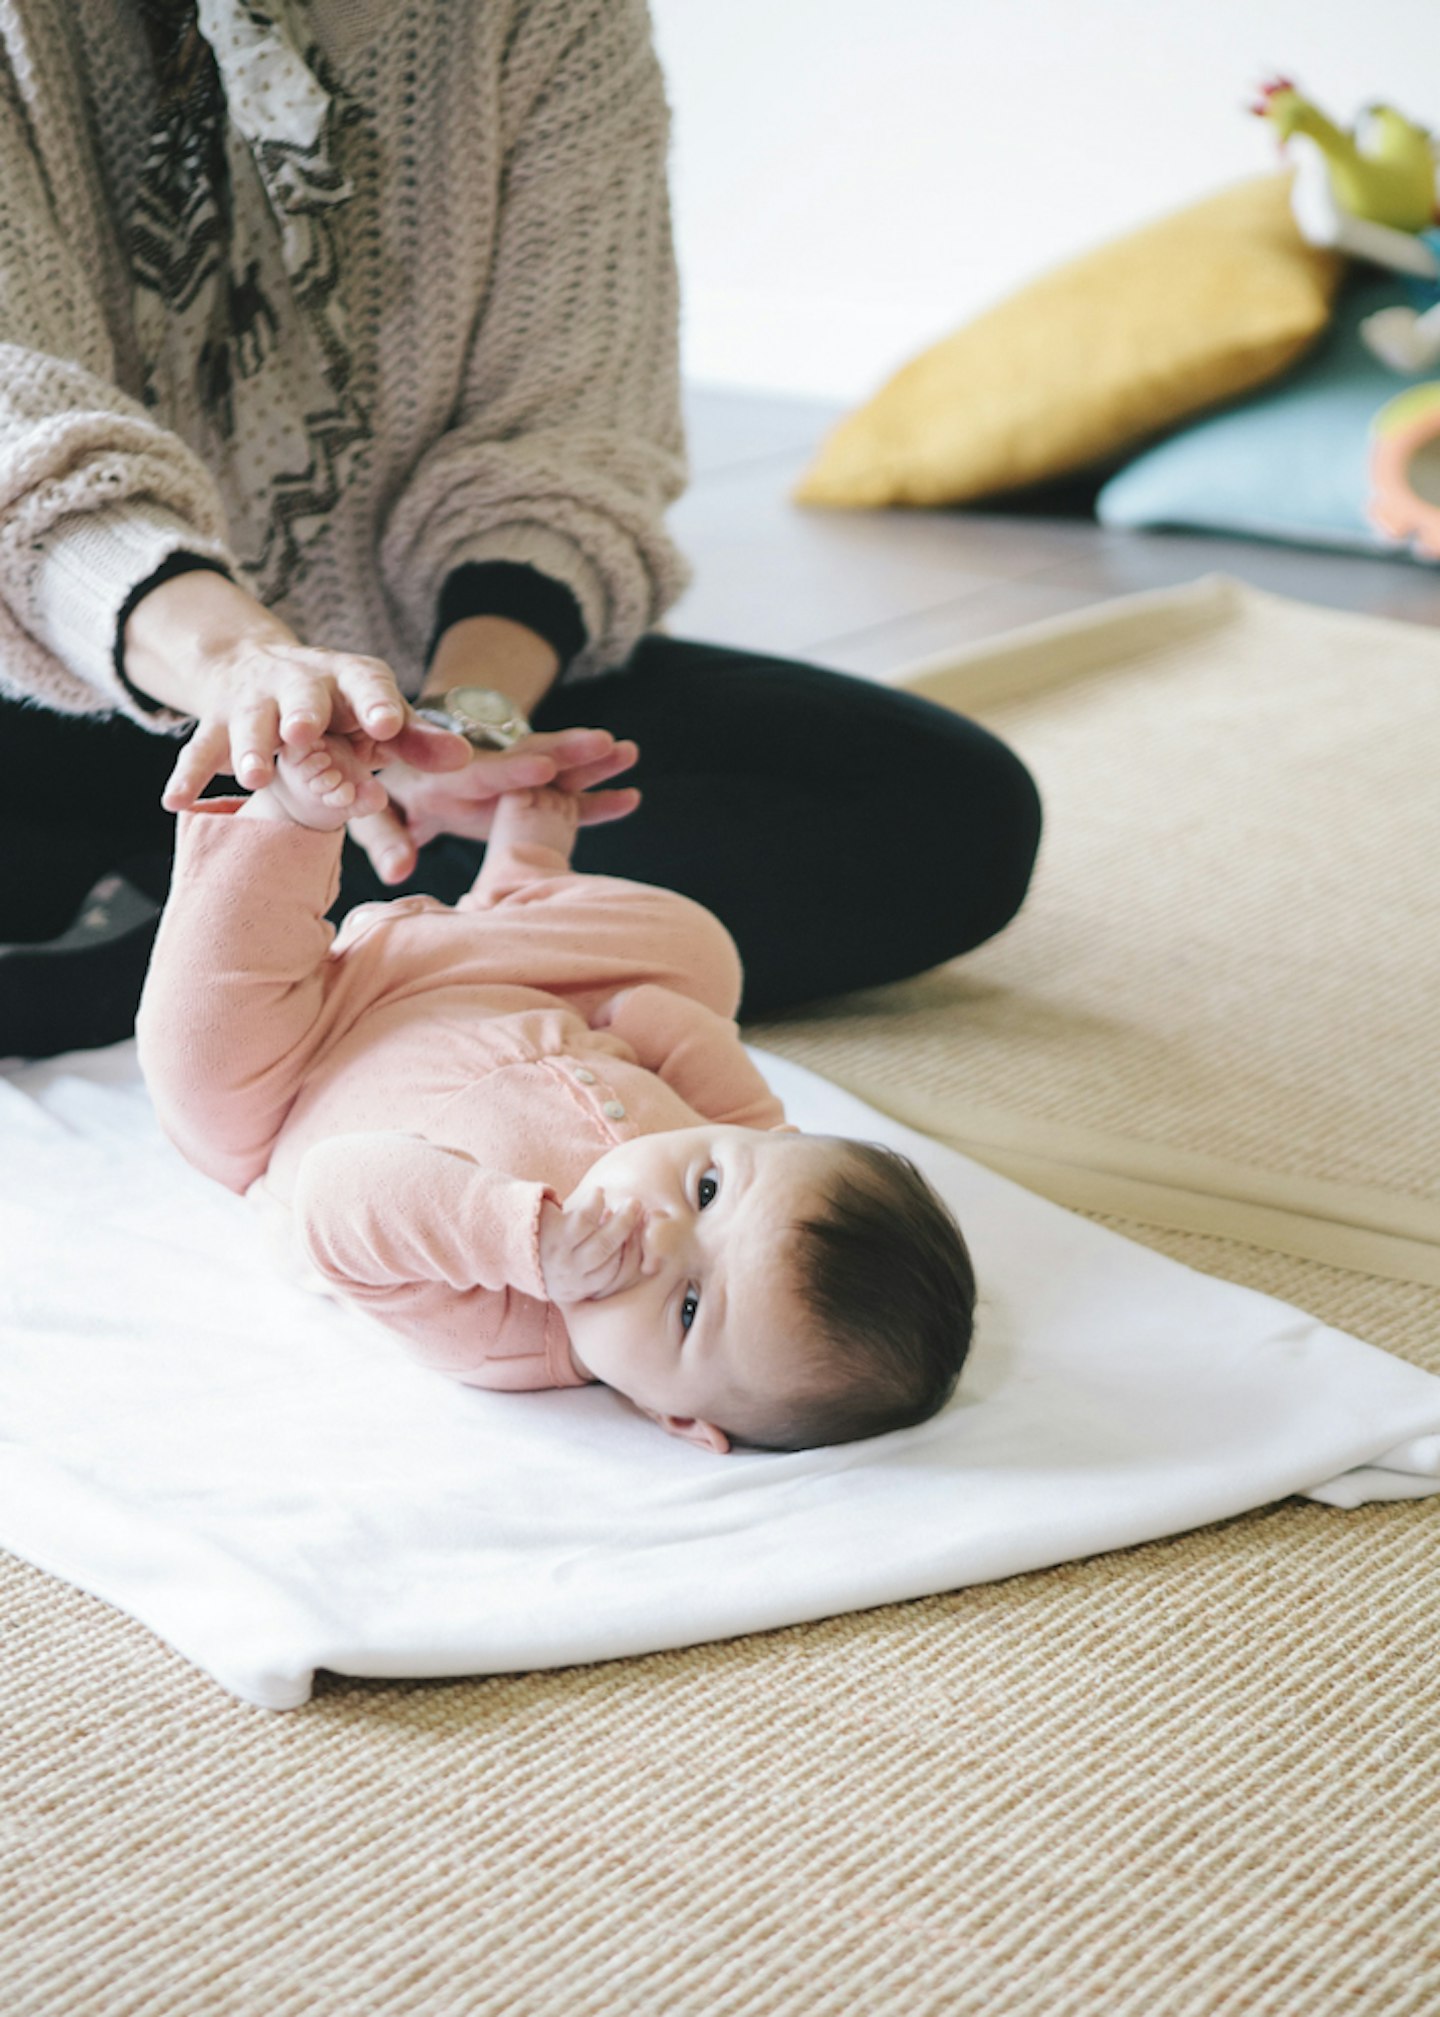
pixel 588 1253
pixel 325 787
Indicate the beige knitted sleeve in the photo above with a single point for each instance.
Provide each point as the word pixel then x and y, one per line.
pixel 93 494
pixel 568 445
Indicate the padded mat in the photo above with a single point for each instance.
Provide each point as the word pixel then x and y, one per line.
pixel 267 1483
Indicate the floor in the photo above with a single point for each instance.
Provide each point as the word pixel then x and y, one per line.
pixel 1191 1778
pixel 871 591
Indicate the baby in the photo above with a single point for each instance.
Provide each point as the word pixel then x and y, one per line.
pixel 523 1131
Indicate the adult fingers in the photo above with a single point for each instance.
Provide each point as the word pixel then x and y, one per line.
pixel 425 747
pixel 535 761
pixel 254 738
pixel 493 771
pixel 387 841
pixel 568 746
pixel 487 773
pixel 305 710
pixel 368 686
pixel 580 777
pixel 203 757
pixel 598 807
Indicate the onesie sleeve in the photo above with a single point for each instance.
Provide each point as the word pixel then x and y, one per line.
pixel 438 1249
pixel 698 1053
pixel 234 1004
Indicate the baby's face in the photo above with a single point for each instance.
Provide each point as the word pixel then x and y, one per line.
pixel 710 1324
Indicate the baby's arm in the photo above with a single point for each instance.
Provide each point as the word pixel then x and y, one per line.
pixel 233 1006
pixel 438 1249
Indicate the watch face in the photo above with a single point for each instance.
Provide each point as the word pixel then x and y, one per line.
pixel 489 720
pixel 481 703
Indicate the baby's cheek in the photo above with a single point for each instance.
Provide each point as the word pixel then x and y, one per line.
pixel 583 1193
pixel 592 1334
pixel 610 1336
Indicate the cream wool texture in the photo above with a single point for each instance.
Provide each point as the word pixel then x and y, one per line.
pixel 505 270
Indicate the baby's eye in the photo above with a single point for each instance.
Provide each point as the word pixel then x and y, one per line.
pixel 708 1188
pixel 690 1303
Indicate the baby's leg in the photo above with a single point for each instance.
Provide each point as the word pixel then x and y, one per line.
pixel 531 837
pixel 538 924
pixel 589 938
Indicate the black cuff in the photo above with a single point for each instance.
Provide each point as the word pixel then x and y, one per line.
pixel 524 594
pixel 175 563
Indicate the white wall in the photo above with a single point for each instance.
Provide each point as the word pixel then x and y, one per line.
pixel 854 177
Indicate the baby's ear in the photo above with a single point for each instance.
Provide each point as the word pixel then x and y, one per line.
pixel 692 1431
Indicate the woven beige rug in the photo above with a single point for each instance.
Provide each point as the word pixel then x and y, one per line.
pixel 1220 1007
pixel 1198 1777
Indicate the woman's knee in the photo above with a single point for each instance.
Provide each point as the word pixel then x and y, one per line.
pixel 1013 819
pixel 964 837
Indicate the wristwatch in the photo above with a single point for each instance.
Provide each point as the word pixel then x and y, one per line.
pixel 487 719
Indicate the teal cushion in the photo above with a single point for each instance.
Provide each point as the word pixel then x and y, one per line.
pixel 1292 463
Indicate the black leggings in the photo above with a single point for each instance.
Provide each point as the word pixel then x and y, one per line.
pixel 845 833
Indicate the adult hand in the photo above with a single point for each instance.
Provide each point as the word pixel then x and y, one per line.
pixel 424 803
pixel 205 647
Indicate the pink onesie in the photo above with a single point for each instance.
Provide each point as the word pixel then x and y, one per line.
pixel 404 1094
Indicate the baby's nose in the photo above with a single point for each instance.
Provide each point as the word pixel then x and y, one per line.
pixel 663 1235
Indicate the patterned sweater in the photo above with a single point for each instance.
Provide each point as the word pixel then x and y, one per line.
pixel 501 269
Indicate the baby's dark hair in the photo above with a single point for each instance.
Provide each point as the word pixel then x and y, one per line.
pixel 885 1274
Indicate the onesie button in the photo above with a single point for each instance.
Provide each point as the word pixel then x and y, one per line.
pixel 585 1078
pixel 613 1110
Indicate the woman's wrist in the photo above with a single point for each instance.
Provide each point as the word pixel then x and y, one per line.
pixel 493 651
pixel 183 630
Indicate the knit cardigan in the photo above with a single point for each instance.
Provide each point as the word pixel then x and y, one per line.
pixel 506 272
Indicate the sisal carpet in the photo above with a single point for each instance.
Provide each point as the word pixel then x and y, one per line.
pixel 1202 1776
pixel 1217 1009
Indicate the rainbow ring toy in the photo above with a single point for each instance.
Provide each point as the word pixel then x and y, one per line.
pixel 1405 470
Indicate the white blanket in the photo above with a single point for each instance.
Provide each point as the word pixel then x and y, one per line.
pixel 271 1486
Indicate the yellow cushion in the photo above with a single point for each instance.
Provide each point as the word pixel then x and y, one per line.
pixel 1092 360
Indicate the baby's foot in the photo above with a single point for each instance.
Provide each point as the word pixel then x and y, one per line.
pixel 539 817
pixel 329 785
